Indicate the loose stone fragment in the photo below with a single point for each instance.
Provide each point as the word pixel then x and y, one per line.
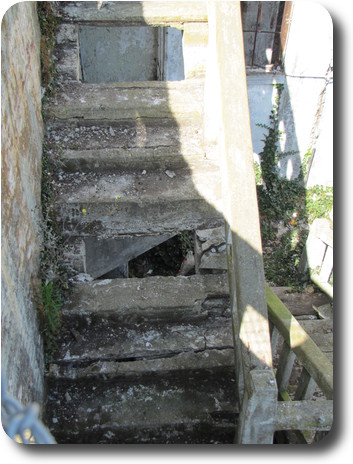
pixel 170 174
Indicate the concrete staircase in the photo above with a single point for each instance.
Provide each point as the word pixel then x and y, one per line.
pixel 145 361
pixel 139 360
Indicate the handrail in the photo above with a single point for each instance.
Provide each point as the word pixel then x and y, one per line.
pixel 305 349
pixel 227 126
pixel 301 414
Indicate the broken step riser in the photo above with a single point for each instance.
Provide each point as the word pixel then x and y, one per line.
pixel 93 258
pixel 142 160
pixel 135 315
pixel 181 364
pixel 79 344
pixel 111 219
pixel 192 59
pixel 158 292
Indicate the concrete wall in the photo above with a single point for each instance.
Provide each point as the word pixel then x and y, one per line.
pixel 261 93
pixel 308 62
pixel 306 112
pixel 306 116
pixel 118 54
pixel 21 131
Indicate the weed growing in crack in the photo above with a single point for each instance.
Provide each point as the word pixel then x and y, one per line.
pixel 50 315
pixel 53 275
pixel 48 23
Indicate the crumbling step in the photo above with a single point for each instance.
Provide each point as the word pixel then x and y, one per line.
pixel 155 298
pixel 133 13
pixel 107 340
pixel 194 408
pixel 176 102
pixel 207 360
pixel 106 206
pixel 210 251
pixel 147 318
pixel 125 147
pixel 145 361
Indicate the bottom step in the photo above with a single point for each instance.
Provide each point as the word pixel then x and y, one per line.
pixel 189 408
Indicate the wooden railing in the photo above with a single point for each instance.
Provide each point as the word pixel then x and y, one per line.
pixel 304 376
pixel 227 130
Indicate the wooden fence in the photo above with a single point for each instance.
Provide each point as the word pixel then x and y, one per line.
pixel 304 376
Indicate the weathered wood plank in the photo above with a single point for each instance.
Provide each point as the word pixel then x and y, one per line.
pixel 306 386
pixel 304 415
pixel 285 366
pixel 307 352
pixel 258 409
pixel 300 304
pixel 274 338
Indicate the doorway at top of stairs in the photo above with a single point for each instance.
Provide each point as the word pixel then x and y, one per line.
pixel 130 53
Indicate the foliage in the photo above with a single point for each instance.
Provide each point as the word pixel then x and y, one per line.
pixel 286 208
pixel 277 196
pixel 319 202
pixel 50 311
pixel 53 274
pixel 187 241
pixel 48 23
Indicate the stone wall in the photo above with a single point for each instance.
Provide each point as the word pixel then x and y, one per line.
pixel 21 133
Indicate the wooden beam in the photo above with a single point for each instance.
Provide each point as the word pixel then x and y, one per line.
pixel 307 352
pixel 304 415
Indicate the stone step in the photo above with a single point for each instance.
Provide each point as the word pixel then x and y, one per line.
pixel 146 318
pixel 175 102
pixel 145 361
pixel 154 298
pixel 196 408
pixel 106 340
pixel 191 361
pixel 109 160
pixel 133 13
pixel 125 147
pixel 136 135
pixel 107 206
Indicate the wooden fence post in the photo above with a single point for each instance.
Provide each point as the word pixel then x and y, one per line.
pixel 258 411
